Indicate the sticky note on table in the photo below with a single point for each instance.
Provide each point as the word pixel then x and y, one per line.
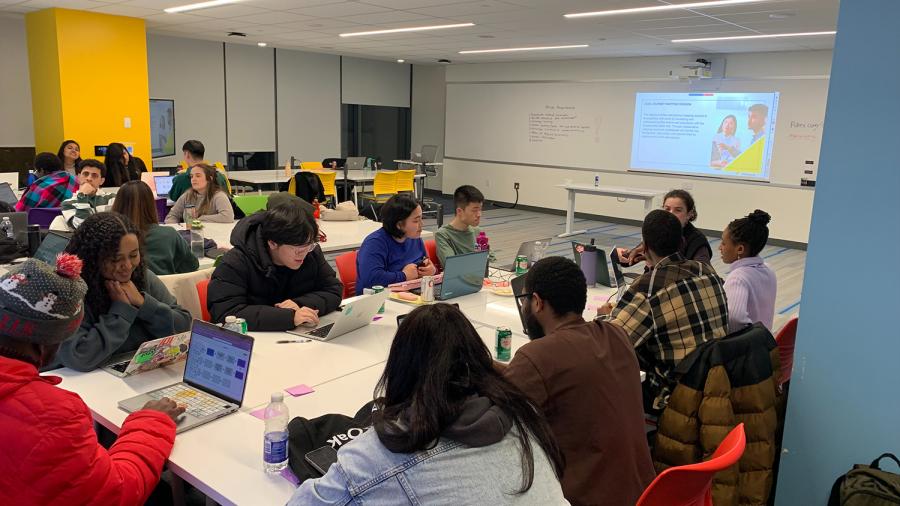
pixel 259 413
pixel 600 297
pixel 375 319
pixel 289 475
pixel 299 390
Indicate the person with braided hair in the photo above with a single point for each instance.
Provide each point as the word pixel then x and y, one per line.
pixel 751 285
pixel 126 304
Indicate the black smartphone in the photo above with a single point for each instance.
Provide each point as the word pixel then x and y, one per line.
pixel 422 262
pixel 322 458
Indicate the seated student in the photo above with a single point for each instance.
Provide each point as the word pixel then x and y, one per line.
pixel 126 304
pixel 53 185
pixel 584 377
pixel 671 309
pixel 88 199
pixel 276 276
pixel 395 252
pixel 694 245
pixel 193 152
pixel 70 155
pixel 121 166
pixel 751 285
pixel 210 203
pixel 165 251
pixel 50 450
pixel 447 429
pixel 458 236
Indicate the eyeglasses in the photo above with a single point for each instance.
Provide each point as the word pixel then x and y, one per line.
pixel 300 250
pixel 523 295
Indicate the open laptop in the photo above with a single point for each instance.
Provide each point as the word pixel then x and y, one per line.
pixel 150 355
pixel 163 185
pixel 463 275
pixel 518 288
pixel 215 377
pixel 355 162
pixel 20 225
pixel 526 249
pixel 602 268
pixel 618 275
pixel 7 194
pixel 53 244
pixel 353 315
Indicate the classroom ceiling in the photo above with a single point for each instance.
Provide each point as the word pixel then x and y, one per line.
pixel 314 25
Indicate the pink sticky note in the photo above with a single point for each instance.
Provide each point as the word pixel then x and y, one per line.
pixel 599 297
pixel 375 319
pixel 259 413
pixel 289 475
pixel 299 390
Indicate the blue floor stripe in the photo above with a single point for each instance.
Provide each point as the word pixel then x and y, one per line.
pixel 627 236
pixel 505 222
pixel 787 309
pixel 782 250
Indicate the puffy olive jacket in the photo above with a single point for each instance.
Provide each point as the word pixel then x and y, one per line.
pixel 723 383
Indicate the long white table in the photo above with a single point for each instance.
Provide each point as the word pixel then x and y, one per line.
pixel 275 176
pixel 604 191
pixel 223 459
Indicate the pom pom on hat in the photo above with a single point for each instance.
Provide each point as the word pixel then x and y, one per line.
pixel 68 265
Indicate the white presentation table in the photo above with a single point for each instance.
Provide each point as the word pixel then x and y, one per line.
pixel 604 191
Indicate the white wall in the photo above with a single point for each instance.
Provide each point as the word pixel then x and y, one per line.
pixel 718 201
pixel 309 106
pixel 250 97
pixel 428 109
pixel 372 82
pixel 190 72
pixel 17 124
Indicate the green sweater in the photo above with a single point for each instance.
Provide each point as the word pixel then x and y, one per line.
pixel 166 252
pixel 452 242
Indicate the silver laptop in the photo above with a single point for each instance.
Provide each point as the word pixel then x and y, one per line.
pixel 527 249
pixel 355 163
pixel 351 316
pixel 215 377
pixel 150 355
pixel 163 185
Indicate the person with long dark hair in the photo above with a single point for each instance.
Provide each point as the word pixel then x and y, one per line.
pixel 70 155
pixel 126 304
pixel 207 200
pixel 694 245
pixel 165 251
pixel 751 286
pixel 448 428
pixel 121 166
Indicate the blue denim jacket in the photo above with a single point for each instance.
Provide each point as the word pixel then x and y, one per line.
pixel 451 473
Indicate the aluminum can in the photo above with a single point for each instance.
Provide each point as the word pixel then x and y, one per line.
pixel 504 344
pixel 427 289
pixel 521 265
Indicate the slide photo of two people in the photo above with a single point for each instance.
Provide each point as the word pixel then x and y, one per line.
pixel 726 146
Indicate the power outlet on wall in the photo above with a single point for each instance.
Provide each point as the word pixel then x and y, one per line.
pixel 515 186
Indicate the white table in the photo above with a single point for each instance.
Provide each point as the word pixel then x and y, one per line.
pixel 268 176
pixel 604 191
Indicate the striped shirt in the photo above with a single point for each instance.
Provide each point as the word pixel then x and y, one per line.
pixel 48 191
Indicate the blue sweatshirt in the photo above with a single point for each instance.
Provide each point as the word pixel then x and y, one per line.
pixel 381 259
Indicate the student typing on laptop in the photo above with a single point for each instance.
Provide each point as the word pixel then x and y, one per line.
pixel 126 304
pixel 276 276
pixel 51 453
pixel 395 252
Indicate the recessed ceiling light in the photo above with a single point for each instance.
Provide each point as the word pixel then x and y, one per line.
pixel 401 61
pixel 200 5
pixel 261 44
pixel 514 49
pixel 635 10
pixel 748 37
pixel 410 29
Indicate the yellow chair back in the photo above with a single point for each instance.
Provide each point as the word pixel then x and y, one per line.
pixel 327 177
pixel 311 166
pixel 385 183
pixel 406 180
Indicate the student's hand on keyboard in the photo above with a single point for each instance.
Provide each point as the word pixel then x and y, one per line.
pixel 301 314
pixel 167 406
pixel 605 309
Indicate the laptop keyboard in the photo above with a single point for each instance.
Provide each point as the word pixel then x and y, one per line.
pixel 197 403
pixel 321 331
pixel 120 367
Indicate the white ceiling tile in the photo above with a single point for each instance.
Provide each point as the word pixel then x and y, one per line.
pixel 229 11
pixel 340 10
pixel 125 10
pixel 65 4
pixel 274 17
pixel 393 17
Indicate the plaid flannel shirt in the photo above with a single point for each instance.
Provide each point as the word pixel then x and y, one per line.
pixel 48 191
pixel 669 311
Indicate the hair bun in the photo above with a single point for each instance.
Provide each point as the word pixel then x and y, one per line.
pixel 759 217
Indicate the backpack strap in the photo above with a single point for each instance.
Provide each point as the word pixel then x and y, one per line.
pixel 835 498
pixel 891 456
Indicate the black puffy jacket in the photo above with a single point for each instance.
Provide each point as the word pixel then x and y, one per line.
pixel 248 285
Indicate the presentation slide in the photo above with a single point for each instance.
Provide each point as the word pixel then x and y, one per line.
pixel 162 127
pixel 705 134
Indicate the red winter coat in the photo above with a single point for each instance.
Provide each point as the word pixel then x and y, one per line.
pixel 49 452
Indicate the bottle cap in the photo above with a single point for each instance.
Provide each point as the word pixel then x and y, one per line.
pixel 230 319
pixel 277 397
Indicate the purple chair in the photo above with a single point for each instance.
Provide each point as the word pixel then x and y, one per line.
pixel 162 209
pixel 43 216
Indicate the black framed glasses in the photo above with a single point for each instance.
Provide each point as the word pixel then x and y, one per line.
pixel 523 295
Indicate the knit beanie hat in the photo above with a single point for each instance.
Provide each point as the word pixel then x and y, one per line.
pixel 40 303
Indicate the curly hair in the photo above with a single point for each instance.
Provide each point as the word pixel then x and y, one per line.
pixel 559 282
pixel 97 241
pixel 751 230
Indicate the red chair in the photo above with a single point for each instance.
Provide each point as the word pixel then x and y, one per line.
pixel 346 266
pixel 202 289
pixel 691 485
pixel 431 249
pixel 785 339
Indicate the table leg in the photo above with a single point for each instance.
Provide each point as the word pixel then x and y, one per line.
pixel 570 218
pixel 648 205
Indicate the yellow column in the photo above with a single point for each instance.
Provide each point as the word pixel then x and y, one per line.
pixel 88 80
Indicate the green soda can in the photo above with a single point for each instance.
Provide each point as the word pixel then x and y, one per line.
pixel 521 264
pixel 504 344
pixel 379 289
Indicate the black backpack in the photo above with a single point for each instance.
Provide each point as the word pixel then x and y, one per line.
pixel 867 485
pixel 334 430
pixel 309 187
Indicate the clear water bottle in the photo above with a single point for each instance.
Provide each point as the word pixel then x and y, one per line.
pixel 275 440
pixel 197 239
pixel 7 227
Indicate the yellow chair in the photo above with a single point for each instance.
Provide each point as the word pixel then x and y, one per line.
pixel 406 181
pixel 327 177
pixel 384 186
pixel 311 166
pixel 220 167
